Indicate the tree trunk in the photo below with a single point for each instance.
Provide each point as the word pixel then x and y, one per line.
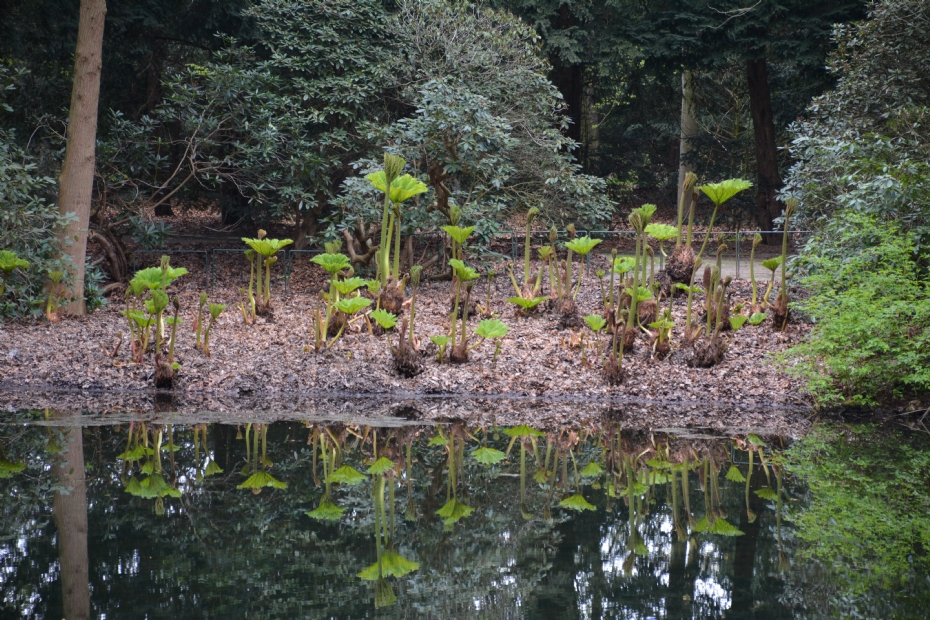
pixel 69 506
pixel 590 135
pixel 763 125
pixel 689 129
pixel 75 185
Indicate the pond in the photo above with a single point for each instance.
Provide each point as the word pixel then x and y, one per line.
pixel 298 519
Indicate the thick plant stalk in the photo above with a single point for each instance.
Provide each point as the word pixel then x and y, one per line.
pixel 697 264
pixel 613 260
pixel 790 206
pixel 756 240
pixel 694 199
pixel 174 331
pixel 455 309
pixel 689 182
pixel 530 216
pixel 396 272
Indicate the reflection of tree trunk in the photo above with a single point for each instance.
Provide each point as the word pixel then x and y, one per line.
pixel 689 129
pixel 677 586
pixel 70 510
pixel 745 556
pixel 763 124
pixel 223 437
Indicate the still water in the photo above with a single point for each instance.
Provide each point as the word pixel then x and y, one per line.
pixel 300 520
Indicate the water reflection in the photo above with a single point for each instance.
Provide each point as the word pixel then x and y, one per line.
pixel 308 520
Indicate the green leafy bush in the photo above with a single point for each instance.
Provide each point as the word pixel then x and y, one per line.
pixel 871 314
pixel 29 222
pixel 866 518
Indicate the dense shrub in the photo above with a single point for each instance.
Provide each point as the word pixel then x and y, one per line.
pixel 863 147
pixel 871 312
pixel 29 222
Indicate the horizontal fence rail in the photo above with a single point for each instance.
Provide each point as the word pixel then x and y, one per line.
pixel 513 239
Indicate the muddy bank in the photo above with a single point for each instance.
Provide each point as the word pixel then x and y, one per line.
pixel 269 359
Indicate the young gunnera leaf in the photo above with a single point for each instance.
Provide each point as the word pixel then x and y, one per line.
pixel 212 468
pixel 592 470
pixel 582 245
pixel 527 304
pixel 772 263
pixel 623 264
pixel 438 440
pixel 392 565
pixel 326 511
pixel 350 285
pixel 384 318
pixel 332 263
pixel 719 193
pixel 440 341
pixel 596 322
pixel 576 502
pixel 488 456
pixel 766 493
pixel 261 479
pixel 380 466
pixel 346 475
pixel 351 305
pixel 523 431
pixel 738 321
pixel 755 440
pixel 757 318
pixel 734 474
pixel 460 235
pixel 453 511
pixel 661 232
pixel 722 527
pixel 491 328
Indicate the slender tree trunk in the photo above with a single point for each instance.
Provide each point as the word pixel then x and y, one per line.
pixel 763 124
pixel 590 136
pixel 69 506
pixel 76 183
pixel 689 129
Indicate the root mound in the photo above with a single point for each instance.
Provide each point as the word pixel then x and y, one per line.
pixel 680 265
pixel 407 360
pixel 629 339
pixel 335 324
pixel 459 354
pixel 570 319
pixel 707 352
pixel 164 376
pixel 647 311
pixel 264 310
pixel 612 374
pixel 392 297
pixel 780 313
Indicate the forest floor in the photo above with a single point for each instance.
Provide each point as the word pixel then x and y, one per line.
pixel 540 362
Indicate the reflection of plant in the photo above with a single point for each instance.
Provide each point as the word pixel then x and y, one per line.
pixel 258 476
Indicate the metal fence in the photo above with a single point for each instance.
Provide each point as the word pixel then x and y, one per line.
pixel 737 241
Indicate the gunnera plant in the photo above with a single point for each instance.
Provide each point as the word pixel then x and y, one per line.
pixel 215 311
pixel 527 296
pixel 780 309
pixel 681 262
pixel 710 350
pixel 407 359
pixel 754 306
pixel 464 277
pixel 263 255
pixel 397 189
pixel 55 277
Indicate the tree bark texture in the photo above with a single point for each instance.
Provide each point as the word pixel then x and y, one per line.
pixel 769 181
pixel 69 506
pixel 590 136
pixel 75 185
pixel 689 129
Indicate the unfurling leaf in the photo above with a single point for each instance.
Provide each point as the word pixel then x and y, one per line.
pixel 488 456
pixel 576 502
pixel 384 318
